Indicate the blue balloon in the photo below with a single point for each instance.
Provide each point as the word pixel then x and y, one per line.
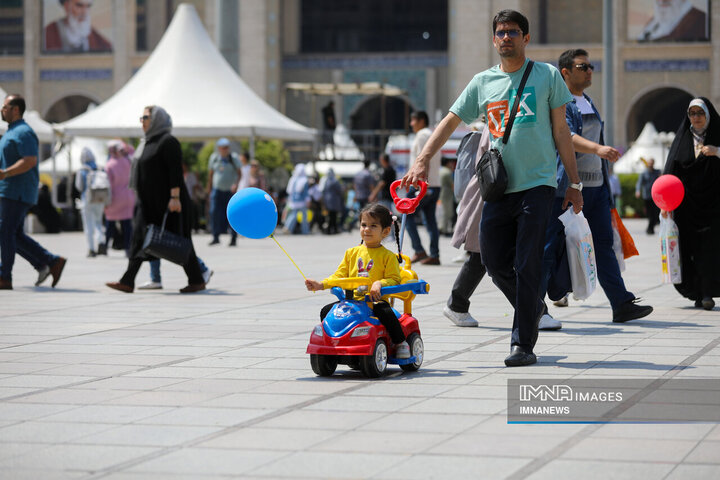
pixel 252 213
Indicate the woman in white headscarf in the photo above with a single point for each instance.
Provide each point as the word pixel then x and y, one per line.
pixel 157 178
pixel 694 158
pixel 298 198
pixel 92 210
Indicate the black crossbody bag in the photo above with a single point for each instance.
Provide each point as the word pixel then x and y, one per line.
pixel 490 170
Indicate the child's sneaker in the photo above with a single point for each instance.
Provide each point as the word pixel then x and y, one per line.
pixel 402 350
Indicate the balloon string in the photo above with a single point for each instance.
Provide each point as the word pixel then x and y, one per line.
pixel 288 255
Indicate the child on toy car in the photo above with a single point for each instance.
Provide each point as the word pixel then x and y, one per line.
pixel 370 259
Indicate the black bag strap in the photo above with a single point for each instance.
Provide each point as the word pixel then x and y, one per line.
pixel 162 228
pixel 516 105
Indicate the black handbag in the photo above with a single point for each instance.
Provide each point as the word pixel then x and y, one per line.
pixel 490 170
pixel 167 245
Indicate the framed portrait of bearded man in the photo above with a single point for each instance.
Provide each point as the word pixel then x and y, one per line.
pixel 77 26
pixel 668 20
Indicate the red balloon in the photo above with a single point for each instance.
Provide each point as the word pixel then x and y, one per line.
pixel 668 192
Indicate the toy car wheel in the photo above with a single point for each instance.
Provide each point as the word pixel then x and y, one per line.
pixel 417 350
pixel 375 365
pixel 323 365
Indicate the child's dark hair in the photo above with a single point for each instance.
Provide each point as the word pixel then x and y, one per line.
pixel 386 219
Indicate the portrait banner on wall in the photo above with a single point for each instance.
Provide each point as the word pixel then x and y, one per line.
pixel 77 26
pixel 668 20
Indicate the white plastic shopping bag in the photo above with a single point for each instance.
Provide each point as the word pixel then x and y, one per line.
pixel 581 254
pixel 670 251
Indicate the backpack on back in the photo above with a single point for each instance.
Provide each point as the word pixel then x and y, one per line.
pixel 98 185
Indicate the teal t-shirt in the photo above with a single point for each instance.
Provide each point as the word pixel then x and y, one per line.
pixel 529 155
pixel 19 141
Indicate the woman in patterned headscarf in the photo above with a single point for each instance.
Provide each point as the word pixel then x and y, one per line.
pixel 695 159
pixel 157 178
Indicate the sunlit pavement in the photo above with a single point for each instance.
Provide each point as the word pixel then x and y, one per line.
pixel 95 383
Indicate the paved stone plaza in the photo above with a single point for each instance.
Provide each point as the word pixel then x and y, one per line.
pixel 97 384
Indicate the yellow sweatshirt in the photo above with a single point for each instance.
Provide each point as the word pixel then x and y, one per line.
pixel 377 263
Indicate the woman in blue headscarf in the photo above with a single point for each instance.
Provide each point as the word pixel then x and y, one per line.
pixel 91 209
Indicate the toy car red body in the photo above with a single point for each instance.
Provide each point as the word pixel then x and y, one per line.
pixel 351 335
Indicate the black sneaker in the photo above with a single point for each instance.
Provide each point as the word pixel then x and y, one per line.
pixel 630 310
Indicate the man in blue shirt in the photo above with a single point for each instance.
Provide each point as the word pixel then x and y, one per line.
pixel 19 178
pixel 512 229
pixel 592 156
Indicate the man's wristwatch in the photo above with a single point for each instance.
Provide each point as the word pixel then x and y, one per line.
pixel 576 186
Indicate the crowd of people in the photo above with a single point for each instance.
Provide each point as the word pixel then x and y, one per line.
pixel 558 161
pixel 331 205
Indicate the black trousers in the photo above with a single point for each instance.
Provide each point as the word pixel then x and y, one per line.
pixel 332 226
pixel 512 238
pixel 653 214
pixel 469 277
pixel 192 270
pixel 384 313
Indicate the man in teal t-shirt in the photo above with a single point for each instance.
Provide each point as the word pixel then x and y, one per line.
pixel 512 229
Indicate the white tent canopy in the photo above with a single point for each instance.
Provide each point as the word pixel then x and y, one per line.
pixel 42 128
pixel 649 144
pixel 188 77
pixel 67 159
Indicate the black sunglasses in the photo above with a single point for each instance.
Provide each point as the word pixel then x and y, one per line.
pixel 584 66
pixel 144 117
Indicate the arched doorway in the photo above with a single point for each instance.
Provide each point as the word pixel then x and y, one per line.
pixel 68 107
pixel 664 107
pixel 380 114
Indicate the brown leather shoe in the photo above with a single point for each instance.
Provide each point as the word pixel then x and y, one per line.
pixel 120 286
pixel 418 256
pixel 5 284
pixel 431 261
pixel 193 287
pixel 56 270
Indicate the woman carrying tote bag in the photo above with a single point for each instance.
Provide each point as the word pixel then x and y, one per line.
pixel 157 178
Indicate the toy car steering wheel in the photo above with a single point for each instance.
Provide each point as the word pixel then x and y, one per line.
pixel 407 205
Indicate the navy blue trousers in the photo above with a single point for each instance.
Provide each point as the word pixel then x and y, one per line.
pixel 14 240
pixel 219 200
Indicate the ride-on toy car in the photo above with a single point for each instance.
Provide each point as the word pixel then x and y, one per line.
pixel 351 335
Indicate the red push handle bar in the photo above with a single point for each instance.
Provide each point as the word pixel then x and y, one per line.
pixel 407 205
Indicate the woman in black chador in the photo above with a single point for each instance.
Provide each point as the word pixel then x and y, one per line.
pixel 695 159
pixel 157 179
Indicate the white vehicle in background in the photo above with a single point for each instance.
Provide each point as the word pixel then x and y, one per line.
pixel 348 159
pixel 398 147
